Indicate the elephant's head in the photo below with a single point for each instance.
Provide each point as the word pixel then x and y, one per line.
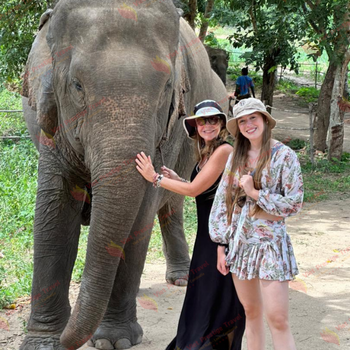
pixel 113 88
pixel 219 61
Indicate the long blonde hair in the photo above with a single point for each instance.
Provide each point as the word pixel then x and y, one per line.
pixel 206 150
pixel 239 163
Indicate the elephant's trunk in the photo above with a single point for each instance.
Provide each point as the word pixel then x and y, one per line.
pixel 117 190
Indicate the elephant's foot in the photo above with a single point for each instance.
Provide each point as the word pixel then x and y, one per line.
pixel 177 277
pixel 121 336
pixel 36 342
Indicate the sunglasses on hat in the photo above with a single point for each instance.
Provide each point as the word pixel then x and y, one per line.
pixel 210 120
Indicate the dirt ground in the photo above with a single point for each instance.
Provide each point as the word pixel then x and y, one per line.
pixel 319 298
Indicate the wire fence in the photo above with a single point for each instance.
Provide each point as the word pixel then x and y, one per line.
pixel 12 137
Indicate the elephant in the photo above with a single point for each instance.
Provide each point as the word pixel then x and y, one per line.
pixel 219 61
pixel 105 80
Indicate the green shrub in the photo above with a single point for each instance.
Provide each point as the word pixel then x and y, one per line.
pixel 309 94
pixel 286 86
pixel 296 144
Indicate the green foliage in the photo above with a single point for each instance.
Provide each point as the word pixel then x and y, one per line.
pixel 272 33
pixel 309 94
pixel 211 40
pixel 296 144
pixel 287 86
pixel 19 21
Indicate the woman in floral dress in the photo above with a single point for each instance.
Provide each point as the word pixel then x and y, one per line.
pixel 260 187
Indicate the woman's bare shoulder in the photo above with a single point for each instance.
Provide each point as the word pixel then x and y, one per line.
pixel 221 154
pixel 226 148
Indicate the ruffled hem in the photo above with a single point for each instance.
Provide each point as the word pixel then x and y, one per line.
pixel 274 261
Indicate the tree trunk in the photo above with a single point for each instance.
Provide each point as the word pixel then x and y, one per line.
pixel 268 81
pixel 205 23
pixel 323 109
pixel 191 15
pixel 336 129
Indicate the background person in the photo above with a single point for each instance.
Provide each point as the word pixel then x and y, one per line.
pixel 261 186
pixel 243 84
pixel 211 308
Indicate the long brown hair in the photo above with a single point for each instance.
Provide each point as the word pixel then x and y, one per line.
pixel 239 163
pixel 206 150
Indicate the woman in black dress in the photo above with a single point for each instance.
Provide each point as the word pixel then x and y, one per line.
pixel 212 318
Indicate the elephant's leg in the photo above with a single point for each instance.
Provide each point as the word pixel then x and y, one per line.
pixel 175 247
pixel 56 236
pixel 119 328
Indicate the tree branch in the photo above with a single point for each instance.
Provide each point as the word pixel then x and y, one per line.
pixel 312 23
pixel 253 17
pixel 205 24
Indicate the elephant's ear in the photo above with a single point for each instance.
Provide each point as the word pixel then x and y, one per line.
pixel 37 79
pixel 181 86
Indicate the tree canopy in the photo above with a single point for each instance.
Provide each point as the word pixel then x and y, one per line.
pixel 18 24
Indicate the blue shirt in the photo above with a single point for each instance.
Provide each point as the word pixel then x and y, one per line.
pixel 244 82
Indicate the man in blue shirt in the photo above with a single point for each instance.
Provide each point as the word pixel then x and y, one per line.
pixel 243 83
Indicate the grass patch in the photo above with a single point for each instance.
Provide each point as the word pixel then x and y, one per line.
pixel 18 177
pixel 11 123
pixel 325 179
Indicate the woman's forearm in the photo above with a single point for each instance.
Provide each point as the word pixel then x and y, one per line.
pixel 180 187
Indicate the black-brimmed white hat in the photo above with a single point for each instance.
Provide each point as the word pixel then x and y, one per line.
pixel 245 107
pixel 206 108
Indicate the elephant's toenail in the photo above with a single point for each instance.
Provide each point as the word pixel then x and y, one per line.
pixel 103 344
pixel 138 340
pixel 122 344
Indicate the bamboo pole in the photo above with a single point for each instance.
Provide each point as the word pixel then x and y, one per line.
pixel 14 137
pixel 5 111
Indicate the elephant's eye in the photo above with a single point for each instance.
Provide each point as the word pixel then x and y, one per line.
pixel 77 85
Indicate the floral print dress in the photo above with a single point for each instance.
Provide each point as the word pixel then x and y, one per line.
pixel 258 247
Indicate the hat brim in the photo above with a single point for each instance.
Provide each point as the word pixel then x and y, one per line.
pixel 189 123
pixel 232 125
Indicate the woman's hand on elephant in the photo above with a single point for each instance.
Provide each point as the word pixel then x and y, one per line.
pixel 145 166
pixel 170 173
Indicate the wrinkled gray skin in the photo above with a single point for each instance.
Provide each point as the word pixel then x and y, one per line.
pixel 111 59
pixel 219 61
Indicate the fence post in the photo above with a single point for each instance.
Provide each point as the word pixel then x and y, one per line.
pixel 311 123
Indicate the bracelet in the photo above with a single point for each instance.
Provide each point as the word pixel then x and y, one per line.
pixel 183 180
pixel 159 179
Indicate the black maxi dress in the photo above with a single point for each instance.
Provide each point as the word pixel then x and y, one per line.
pixel 211 308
